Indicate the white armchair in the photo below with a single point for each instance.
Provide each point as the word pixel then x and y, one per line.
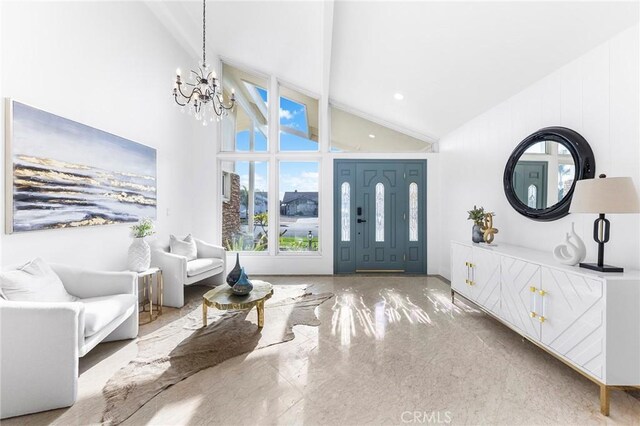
pixel 208 268
pixel 40 342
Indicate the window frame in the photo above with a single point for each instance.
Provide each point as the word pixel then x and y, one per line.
pixel 291 130
pixel 247 159
pixel 292 159
pixel 273 156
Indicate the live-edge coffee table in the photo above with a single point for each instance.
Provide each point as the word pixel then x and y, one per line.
pixel 222 298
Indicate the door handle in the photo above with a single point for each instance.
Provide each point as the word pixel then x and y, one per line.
pixel 362 220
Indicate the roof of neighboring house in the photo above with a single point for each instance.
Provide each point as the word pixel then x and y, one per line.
pixel 296 195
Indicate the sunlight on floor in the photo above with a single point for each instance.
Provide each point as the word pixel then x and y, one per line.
pixel 398 306
pixel 351 315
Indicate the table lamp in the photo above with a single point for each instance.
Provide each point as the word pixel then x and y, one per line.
pixel 601 196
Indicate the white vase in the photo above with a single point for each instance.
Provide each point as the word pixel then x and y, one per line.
pixel 139 258
pixel 571 252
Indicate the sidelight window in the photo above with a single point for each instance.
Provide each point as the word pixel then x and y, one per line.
pixel 379 212
pixel 413 211
pixel 532 196
pixel 345 211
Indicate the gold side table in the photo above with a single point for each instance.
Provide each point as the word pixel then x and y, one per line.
pixel 222 298
pixel 147 288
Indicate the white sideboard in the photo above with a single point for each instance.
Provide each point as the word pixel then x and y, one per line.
pixel 587 319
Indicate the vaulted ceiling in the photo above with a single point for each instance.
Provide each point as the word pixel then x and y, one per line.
pixel 450 60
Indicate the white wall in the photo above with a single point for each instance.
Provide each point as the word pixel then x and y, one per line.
pixel 108 65
pixel 598 96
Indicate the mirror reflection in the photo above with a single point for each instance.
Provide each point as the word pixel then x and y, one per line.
pixel 544 174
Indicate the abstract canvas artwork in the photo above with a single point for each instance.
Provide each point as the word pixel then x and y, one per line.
pixel 63 174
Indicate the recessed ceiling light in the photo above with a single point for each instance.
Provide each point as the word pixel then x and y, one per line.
pixel 398 96
pixel 372 136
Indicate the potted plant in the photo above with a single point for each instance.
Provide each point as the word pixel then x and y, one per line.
pixel 477 215
pixel 139 258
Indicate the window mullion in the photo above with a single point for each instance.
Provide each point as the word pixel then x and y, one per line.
pixel 274 182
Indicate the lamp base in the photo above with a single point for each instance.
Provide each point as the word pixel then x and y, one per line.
pixel 603 268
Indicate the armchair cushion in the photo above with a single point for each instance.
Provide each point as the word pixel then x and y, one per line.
pixel 199 266
pixel 35 281
pixel 100 311
pixel 186 247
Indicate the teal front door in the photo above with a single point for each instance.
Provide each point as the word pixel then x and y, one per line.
pixel 380 213
pixel 530 183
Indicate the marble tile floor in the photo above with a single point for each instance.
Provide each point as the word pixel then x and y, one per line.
pixel 390 350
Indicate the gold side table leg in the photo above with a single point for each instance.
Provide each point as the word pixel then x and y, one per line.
pixel 144 294
pixel 160 280
pixel 260 308
pixel 604 400
pixel 150 285
pixel 204 314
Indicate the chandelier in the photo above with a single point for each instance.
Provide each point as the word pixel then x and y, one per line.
pixel 204 97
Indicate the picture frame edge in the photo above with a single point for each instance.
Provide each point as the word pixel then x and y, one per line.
pixel 8 164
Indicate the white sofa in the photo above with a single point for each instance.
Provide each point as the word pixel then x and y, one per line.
pixel 209 268
pixel 40 342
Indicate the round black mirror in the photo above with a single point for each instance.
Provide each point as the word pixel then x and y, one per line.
pixel 542 171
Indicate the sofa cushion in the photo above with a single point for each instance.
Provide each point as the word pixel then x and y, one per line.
pixel 100 311
pixel 186 247
pixel 34 281
pixel 200 266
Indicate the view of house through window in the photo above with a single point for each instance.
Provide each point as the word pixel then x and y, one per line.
pixel 298 206
pixel 245 213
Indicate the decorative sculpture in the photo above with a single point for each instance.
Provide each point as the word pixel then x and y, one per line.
pixel 488 231
pixel 571 252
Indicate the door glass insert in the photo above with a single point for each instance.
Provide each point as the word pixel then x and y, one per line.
pixel 532 196
pixel 379 212
pixel 413 211
pixel 346 211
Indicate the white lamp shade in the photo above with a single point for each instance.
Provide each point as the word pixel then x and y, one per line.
pixel 605 195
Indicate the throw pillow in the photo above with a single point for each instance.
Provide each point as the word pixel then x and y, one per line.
pixel 186 247
pixel 35 281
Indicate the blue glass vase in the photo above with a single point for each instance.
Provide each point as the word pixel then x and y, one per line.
pixel 243 286
pixel 234 275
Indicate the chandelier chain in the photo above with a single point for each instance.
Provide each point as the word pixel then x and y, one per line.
pixel 204 31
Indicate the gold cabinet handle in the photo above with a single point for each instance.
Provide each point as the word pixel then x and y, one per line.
pixel 472 283
pixel 542 292
pixel 466 281
pixel 466 264
pixel 541 318
pixel 533 289
pixel 471 265
pixel 533 314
